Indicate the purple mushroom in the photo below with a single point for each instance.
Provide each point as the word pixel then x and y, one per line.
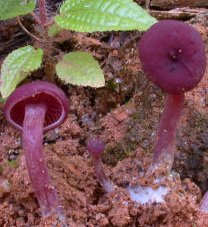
pixel 34 109
pixel 96 147
pixel 173 57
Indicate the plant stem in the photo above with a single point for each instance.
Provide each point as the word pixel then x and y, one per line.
pixel 101 176
pixel 43 12
pixel 164 150
pixel 37 169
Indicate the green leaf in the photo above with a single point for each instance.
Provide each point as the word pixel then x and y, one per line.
pixel 17 66
pixel 80 68
pixel 53 30
pixel 13 8
pixel 103 15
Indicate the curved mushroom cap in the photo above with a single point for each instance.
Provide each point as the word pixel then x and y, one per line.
pixel 173 56
pixel 96 146
pixel 53 97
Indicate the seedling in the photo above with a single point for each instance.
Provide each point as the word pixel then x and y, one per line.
pixel 173 57
pixel 78 68
pixel 34 109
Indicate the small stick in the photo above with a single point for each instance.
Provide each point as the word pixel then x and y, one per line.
pixel 25 29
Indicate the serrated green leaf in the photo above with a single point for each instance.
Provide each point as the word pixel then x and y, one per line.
pixel 13 8
pixel 80 68
pixel 17 66
pixel 103 15
pixel 54 30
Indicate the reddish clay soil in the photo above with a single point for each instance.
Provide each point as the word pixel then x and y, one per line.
pixel 125 114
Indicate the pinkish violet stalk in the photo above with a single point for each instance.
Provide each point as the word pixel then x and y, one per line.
pixel 164 150
pixel 37 169
pixel 101 176
pixel 96 147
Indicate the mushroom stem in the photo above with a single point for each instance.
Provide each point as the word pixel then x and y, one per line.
pixel 163 153
pixel 101 176
pixel 37 169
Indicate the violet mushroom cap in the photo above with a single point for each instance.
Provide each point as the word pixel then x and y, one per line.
pixel 173 56
pixel 96 147
pixel 37 92
pixel 36 108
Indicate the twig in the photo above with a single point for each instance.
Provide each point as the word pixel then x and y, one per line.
pixel 25 29
pixel 138 35
pixel 147 5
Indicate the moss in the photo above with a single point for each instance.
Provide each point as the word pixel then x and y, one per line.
pixel 1 169
pixel 12 163
pixel 111 85
pixel 117 152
